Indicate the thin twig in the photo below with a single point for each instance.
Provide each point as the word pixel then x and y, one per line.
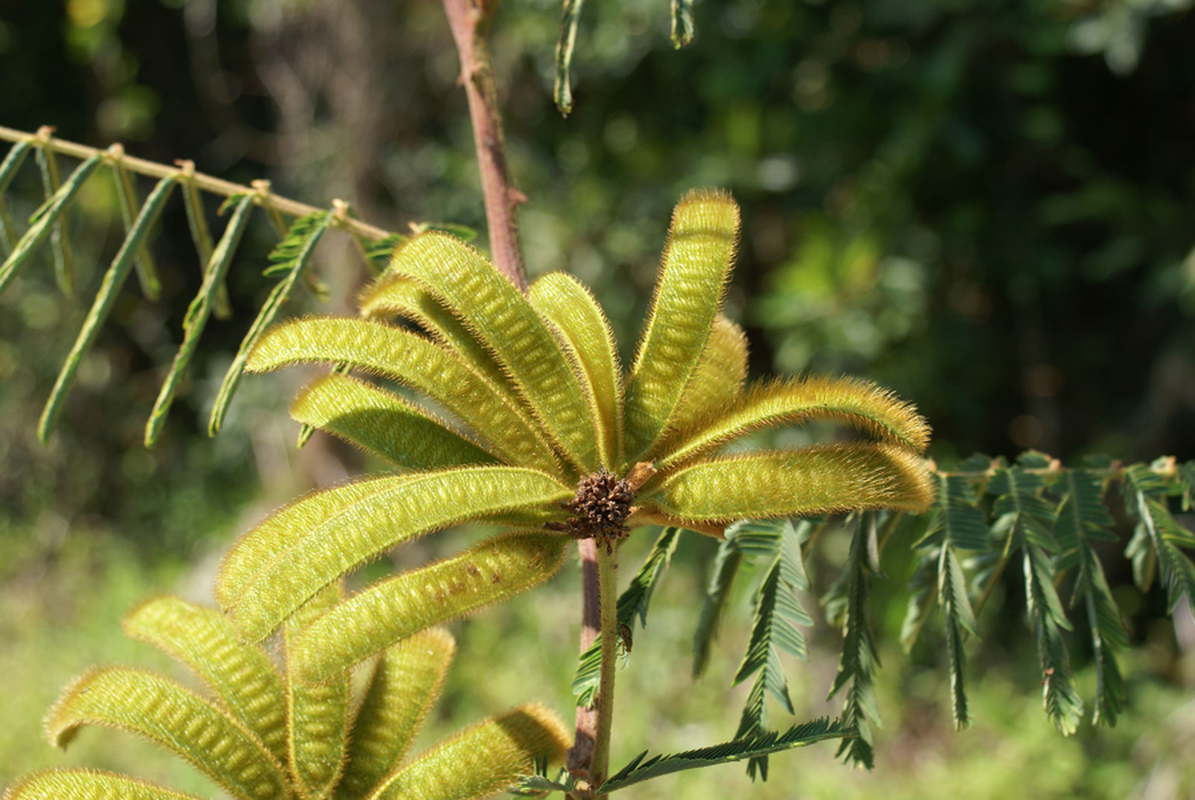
pixel 208 183
pixel 470 21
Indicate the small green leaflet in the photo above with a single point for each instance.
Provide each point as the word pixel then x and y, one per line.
pixel 634 601
pixel 858 661
pixel 642 768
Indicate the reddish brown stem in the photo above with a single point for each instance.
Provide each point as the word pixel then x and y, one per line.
pixel 470 21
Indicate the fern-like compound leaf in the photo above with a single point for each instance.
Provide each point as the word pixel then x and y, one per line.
pixel 693 275
pixel 717 593
pixel 243 678
pixel 198 313
pixel 1059 696
pixel 392 610
pixel 44 220
pixel 401 296
pixel 1186 478
pixel 405 684
pixel 859 659
pixel 849 401
pixel 380 252
pixel 482 760
pixel 105 299
pixel 318 715
pixel 505 322
pixel 384 424
pixel 88 784
pixel 1082 520
pixel 633 602
pixel 414 361
pixel 636 598
pixel 959 619
pixel 175 719
pixel 923 593
pixel 774 631
pixel 575 312
pixel 291 258
pixel 956 515
pixel 642 768
pixel 719 377
pixel 401 509
pixel 813 480
pixel 1167 538
pixel 1107 635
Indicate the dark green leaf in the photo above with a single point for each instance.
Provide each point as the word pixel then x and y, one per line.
pixel 643 768
pixel 717 592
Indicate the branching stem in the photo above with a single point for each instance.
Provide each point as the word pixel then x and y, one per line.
pixel 186 171
pixel 470 21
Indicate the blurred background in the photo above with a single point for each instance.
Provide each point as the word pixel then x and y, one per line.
pixel 987 206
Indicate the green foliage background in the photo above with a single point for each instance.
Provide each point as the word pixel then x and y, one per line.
pixel 986 206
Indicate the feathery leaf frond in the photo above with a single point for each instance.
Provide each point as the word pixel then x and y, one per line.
pixel 859 659
pixel 174 718
pixel 391 610
pixel 1082 520
pixel 692 280
pixel 575 312
pixel 812 480
pixel 498 752
pixel 243 678
pixel 502 318
pixel 633 602
pixel 402 296
pixel 418 363
pixel 806 733
pixel 850 401
pixel 398 509
pixel 959 619
pixel 385 424
pixel 717 593
pixel 318 716
pixel 718 379
pixel 405 684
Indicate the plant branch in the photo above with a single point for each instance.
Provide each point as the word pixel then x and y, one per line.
pixel 470 21
pixel 186 171
pixel 589 758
